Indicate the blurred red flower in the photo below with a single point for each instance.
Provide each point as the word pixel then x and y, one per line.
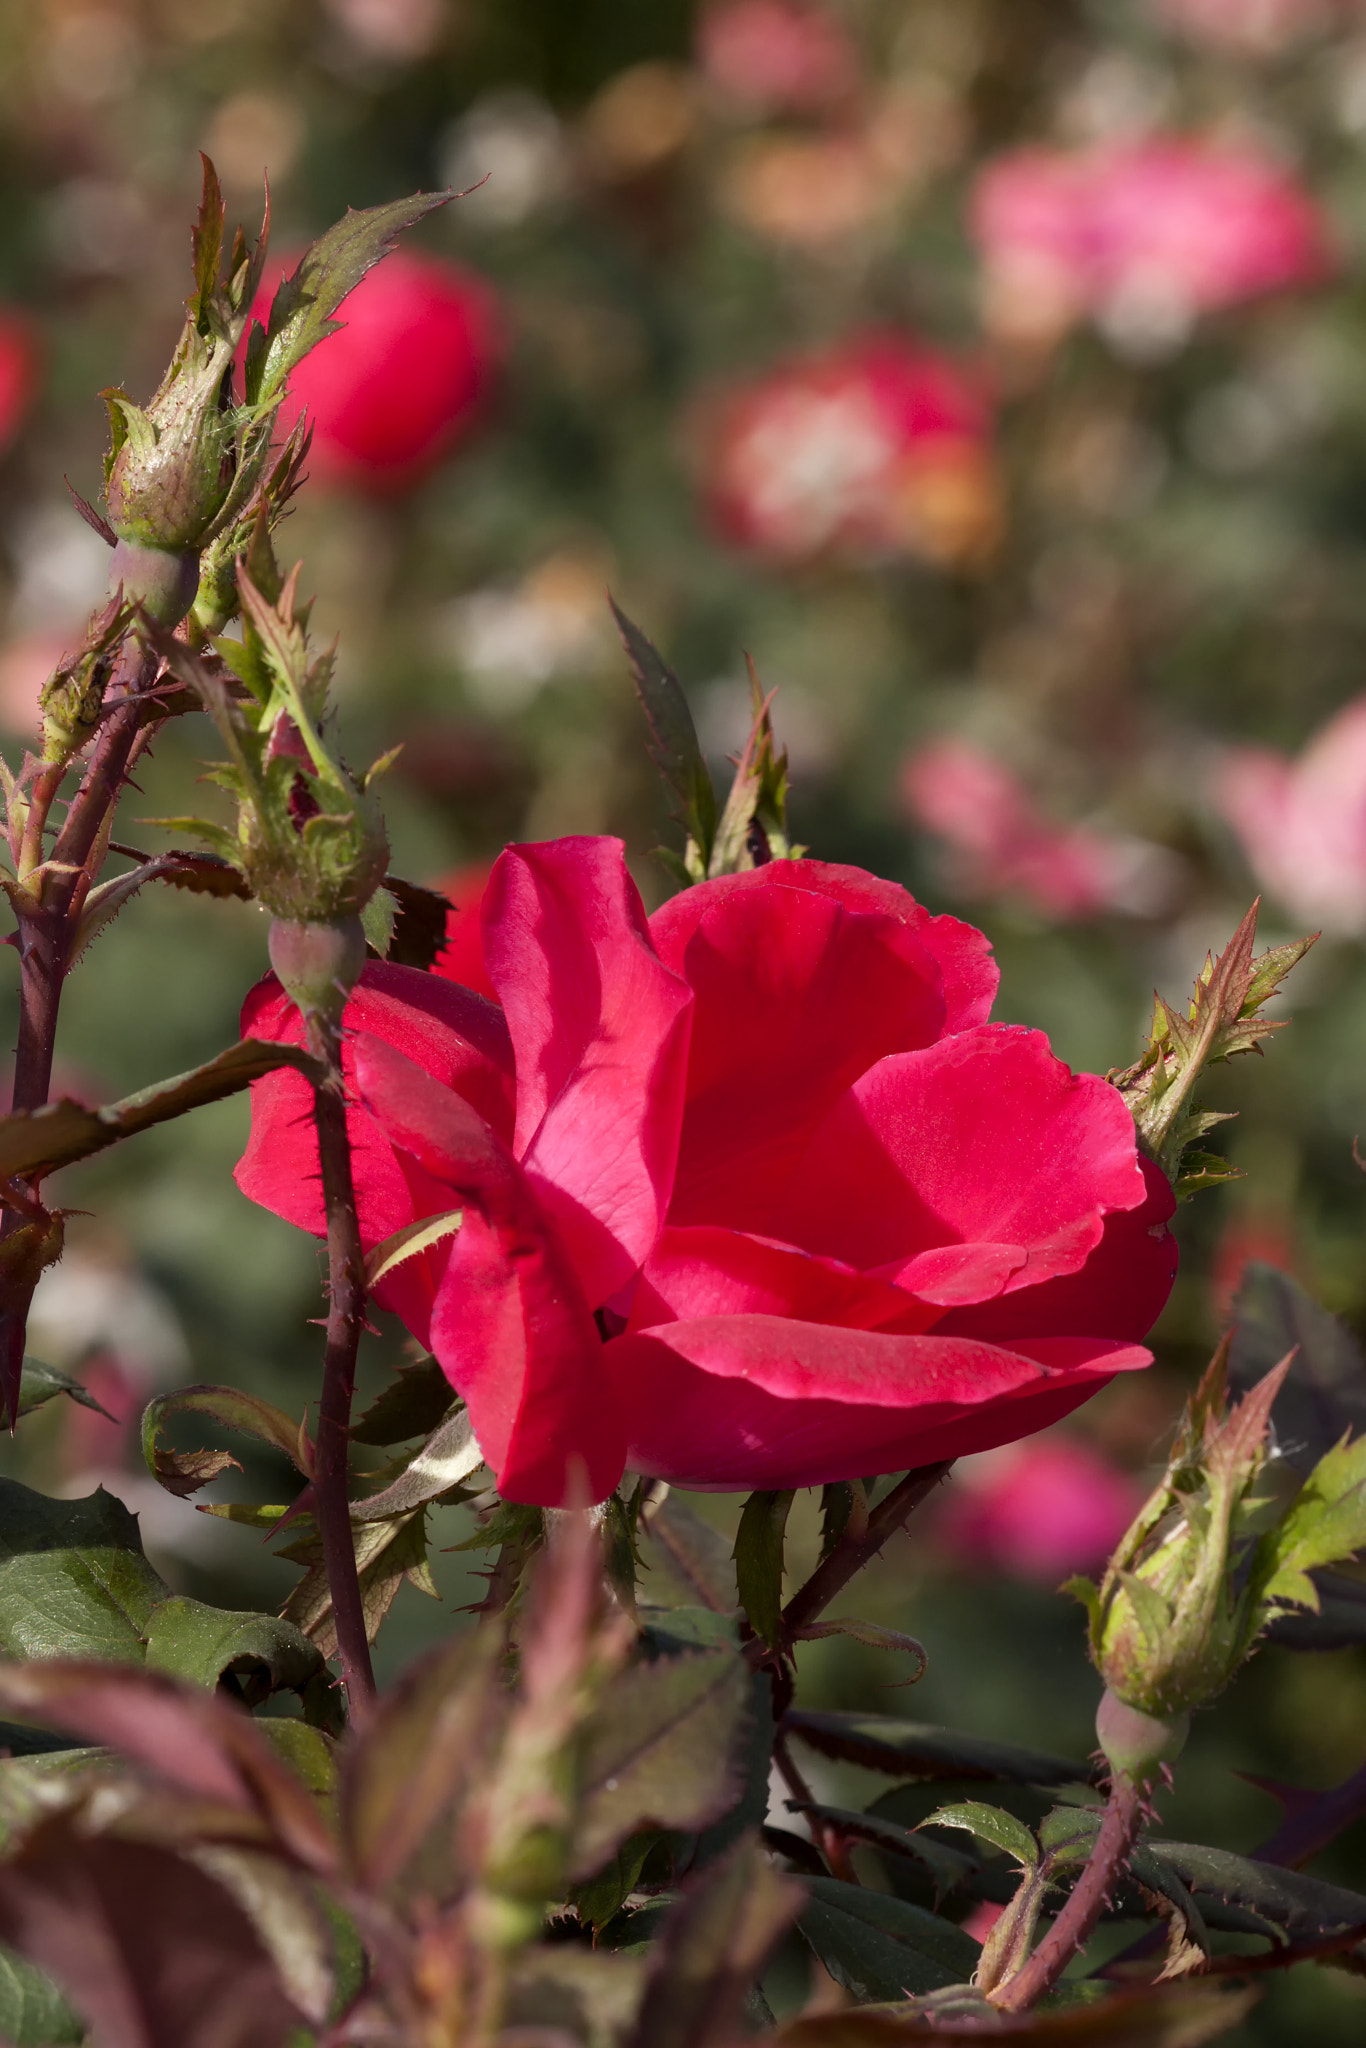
pixel 879 446
pixel 1146 236
pixel 18 372
pixel 776 56
pixel 403 379
pixel 1302 823
pixel 753 1194
pixel 1037 1510
pixel 1002 845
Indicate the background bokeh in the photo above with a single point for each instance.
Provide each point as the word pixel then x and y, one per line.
pixel 992 372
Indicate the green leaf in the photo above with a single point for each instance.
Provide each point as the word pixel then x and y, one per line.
pixel 1300 1906
pixel 387 1553
pixel 1326 1524
pixel 873 1637
pixel 168 1972
pixel 428 1740
pixel 601 1898
pixel 946 1867
pixel 694 1555
pixel 408 1242
pixel 1221 1022
pixel 416 1400
pixel 880 1947
pixel 990 1824
pixel 73 1579
pixel 566 1993
pixel 673 744
pixel 450 1455
pixel 1158 2016
pixel 711 1948
pixel 202 1644
pixel 758 1558
pixel 58 1134
pixel 911 1749
pixel 1338 1621
pixel 33 2012
pixel 420 927
pixel 41 1383
pixel 660 1751
pixel 301 315
pixel 183 1472
pixel 753 827
pixel 377 922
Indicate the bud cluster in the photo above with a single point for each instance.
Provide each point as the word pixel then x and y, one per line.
pixel 309 841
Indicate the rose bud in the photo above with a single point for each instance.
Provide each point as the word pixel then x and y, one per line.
pixel 1223 1545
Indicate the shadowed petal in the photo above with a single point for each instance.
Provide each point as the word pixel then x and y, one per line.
pixel 727 1403
pixel 510 1325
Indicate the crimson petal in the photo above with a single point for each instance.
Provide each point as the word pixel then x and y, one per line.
pixel 510 1326
pixel 728 1403
pixel 600 1031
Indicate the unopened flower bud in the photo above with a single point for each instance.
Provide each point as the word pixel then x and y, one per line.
pixel 171 465
pixel 318 965
pixel 1173 1617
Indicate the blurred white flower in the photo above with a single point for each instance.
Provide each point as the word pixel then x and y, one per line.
pixel 511 642
pixel 513 143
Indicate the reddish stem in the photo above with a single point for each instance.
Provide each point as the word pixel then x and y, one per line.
pixel 855 1551
pixel 1075 1924
pixel 345 1321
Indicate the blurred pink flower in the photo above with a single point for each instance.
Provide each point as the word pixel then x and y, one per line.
pixel 1145 236
pixel 403 378
pixel 879 446
pixel 1303 823
pixel 1002 845
pixel 776 56
pixel 1037 1509
pixel 1257 27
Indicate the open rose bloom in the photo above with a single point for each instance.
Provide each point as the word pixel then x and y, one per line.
pixel 753 1194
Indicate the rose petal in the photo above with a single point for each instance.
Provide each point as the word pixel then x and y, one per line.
pixel 704 1271
pixel 797 995
pixel 985 1140
pixel 600 1032
pixel 1122 1288
pixel 451 1034
pixel 510 1325
pixel 728 1403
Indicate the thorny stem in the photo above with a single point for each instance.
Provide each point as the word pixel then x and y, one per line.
pixel 1070 1932
pixel 828 1840
pixel 854 1551
pixel 345 1320
pixel 45 940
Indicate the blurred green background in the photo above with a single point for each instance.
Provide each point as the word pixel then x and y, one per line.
pixel 1153 553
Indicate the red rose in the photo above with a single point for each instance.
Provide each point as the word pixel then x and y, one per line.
pixel 402 379
pixel 753 1195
